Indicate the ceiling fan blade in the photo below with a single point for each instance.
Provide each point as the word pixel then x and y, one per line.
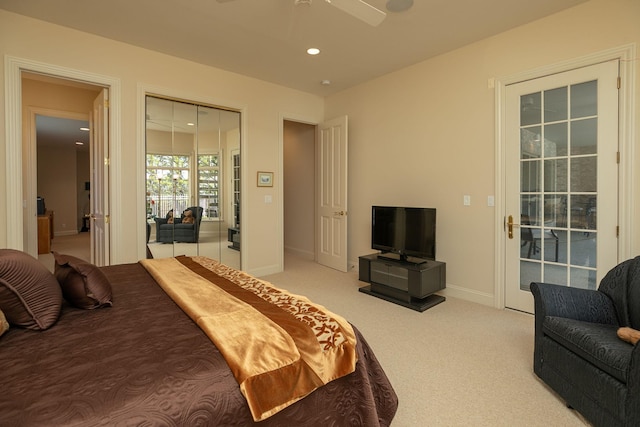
pixel 361 10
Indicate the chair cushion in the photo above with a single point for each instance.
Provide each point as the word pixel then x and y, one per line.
pixel 596 342
pixel 30 296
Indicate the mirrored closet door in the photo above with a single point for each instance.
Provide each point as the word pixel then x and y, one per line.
pixel 192 180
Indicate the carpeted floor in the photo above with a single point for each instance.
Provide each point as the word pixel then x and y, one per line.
pixel 456 364
pixel 77 245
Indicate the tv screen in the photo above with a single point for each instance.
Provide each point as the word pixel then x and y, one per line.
pixel 404 231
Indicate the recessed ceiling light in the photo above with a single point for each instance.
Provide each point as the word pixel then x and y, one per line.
pixel 313 51
pixel 399 5
pixel 85 129
pixel 191 124
pixel 79 143
pixel 326 82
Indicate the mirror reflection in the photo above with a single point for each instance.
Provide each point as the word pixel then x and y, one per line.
pixel 192 180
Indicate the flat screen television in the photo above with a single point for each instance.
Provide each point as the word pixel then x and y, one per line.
pixel 404 233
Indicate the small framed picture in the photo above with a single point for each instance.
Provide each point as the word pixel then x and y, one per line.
pixel 265 179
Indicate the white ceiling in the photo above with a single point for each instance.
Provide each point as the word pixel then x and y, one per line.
pixel 267 39
pixel 55 131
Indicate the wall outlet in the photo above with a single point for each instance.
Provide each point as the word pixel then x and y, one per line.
pixel 466 200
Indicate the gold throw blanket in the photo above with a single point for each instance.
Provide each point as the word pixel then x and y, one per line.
pixel 280 347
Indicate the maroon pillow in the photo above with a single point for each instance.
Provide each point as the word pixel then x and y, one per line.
pixel 30 296
pixel 83 284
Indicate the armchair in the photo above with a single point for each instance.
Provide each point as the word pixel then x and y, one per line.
pixel 576 349
pixel 179 231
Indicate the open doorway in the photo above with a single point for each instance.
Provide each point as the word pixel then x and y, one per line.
pixel 57 175
pixel 299 188
pixel 315 190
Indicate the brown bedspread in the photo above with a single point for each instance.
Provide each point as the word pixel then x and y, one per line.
pixel 144 362
pixel 279 346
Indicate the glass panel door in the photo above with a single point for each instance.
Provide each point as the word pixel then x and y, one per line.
pixel 563 141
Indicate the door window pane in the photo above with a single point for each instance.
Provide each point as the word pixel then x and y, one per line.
pixel 555 274
pixel 530 142
pixel 530 172
pixel 531 109
pixel 583 278
pixel 555 175
pixel 584 137
pixel 555 104
pixel 584 176
pixel 529 272
pixel 584 99
pixel 530 208
pixel 583 248
pixel 556 140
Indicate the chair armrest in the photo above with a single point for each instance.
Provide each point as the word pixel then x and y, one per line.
pixel 159 222
pixel 573 303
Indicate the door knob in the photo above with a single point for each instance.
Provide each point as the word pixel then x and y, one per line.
pixel 340 213
pixel 510 225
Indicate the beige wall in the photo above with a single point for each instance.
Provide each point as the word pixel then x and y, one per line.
pixel 299 188
pixel 425 135
pixel 57 183
pixel 263 104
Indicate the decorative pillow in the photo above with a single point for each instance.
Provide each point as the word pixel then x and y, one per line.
pixel 30 296
pixel 4 325
pixel 83 284
pixel 632 336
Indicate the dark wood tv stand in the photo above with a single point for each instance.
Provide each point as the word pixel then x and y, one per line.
pixel 410 284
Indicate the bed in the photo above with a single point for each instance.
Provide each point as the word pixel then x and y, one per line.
pixel 137 358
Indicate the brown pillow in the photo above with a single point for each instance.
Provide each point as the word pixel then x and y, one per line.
pixel 30 296
pixel 83 284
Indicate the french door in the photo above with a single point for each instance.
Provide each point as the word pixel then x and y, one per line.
pixel 561 180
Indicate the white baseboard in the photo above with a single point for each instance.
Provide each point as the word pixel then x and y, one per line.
pixel 265 271
pixel 468 295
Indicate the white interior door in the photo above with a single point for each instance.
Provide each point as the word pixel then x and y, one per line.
pixel 99 193
pixel 331 182
pixel 561 174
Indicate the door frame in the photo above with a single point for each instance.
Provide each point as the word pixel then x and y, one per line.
pixel 14 67
pixel 627 72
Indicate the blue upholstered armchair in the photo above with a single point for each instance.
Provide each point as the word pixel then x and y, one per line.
pixel 578 353
pixel 179 231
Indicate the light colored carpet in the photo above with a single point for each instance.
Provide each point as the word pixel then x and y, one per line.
pixel 77 245
pixel 456 364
